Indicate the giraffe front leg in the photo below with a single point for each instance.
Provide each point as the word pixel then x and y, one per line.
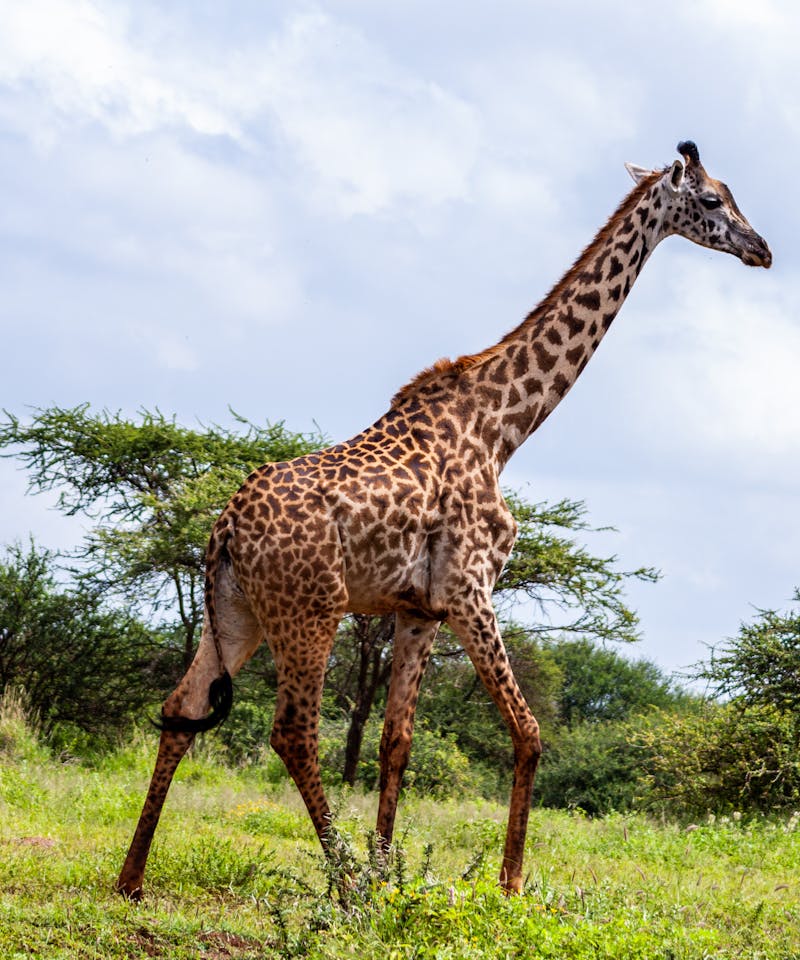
pixel 413 641
pixel 479 633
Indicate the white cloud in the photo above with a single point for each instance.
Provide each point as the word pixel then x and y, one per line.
pixel 762 37
pixel 733 15
pixel 76 53
pixel 723 357
pixel 368 134
pixel 549 104
pixel 373 134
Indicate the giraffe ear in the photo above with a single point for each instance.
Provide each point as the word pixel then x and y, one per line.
pixel 638 173
pixel 675 176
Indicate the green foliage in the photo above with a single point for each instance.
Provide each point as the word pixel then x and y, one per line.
pixel 590 767
pixel 437 766
pixel 237 875
pixel 19 733
pixel 673 753
pixel 718 757
pixel 743 754
pixel 79 663
pixel 104 464
pixel 761 665
pixel 600 684
pixel 580 693
pixel 245 738
pixel 153 489
pixel 548 567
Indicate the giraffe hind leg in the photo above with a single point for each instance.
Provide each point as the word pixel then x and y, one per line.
pixel 185 712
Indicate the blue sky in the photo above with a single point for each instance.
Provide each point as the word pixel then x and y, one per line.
pixel 292 208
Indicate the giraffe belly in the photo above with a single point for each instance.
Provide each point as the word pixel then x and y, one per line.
pixel 388 571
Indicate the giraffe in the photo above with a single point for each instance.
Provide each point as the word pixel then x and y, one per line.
pixel 408 518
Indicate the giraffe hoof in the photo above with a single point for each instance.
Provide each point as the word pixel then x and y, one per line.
pixel 129 891
pixel 512 887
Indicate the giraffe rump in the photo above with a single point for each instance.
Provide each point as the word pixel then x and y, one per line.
pixel 220 691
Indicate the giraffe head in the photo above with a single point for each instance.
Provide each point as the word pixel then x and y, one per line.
pixel 702 209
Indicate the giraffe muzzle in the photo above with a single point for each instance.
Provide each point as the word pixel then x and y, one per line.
pixel 756 252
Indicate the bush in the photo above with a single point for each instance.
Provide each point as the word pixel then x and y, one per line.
pixel 717 758
pixel 246 731
pixel 80 663
pixel 591 767
pixel 436 768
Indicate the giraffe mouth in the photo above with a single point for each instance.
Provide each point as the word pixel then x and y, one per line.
pixel 756 253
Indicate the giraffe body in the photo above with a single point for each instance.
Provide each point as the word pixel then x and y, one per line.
pixel 408 518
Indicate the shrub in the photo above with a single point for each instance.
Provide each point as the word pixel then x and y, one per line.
pixel 591 767
pixel 718 757
pixel 246 731
pixel 437 767
pixel 19 735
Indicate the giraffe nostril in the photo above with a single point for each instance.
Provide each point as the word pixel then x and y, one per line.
pixel 762 253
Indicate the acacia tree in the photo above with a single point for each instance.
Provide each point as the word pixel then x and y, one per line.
pixel 152 489
pixel 760 666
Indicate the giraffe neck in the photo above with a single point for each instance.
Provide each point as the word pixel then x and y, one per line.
pixel 506 392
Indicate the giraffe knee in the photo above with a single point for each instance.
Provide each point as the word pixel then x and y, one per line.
pixel 528 747
pixel 294 741
pixel 394 753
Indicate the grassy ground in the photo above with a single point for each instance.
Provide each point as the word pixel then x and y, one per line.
pixel 235 873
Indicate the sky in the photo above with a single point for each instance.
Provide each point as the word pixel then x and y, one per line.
pixel 290 209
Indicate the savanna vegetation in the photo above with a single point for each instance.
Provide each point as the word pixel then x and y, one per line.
pixel 236 871
pixel 666 821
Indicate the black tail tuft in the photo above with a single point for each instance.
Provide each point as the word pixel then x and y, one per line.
pixel 220 696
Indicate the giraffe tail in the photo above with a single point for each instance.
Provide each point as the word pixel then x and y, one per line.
pixel 220 692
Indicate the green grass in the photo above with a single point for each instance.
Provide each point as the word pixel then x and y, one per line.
pixel 235 873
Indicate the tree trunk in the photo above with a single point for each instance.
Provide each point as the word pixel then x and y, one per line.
pixel 355 736
pixel 374 666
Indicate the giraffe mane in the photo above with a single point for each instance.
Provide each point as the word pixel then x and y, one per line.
pixel 445 367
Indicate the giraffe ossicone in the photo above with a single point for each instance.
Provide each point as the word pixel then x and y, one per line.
pixel 408 518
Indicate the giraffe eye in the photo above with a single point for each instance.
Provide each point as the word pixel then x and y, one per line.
pixel 711 203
